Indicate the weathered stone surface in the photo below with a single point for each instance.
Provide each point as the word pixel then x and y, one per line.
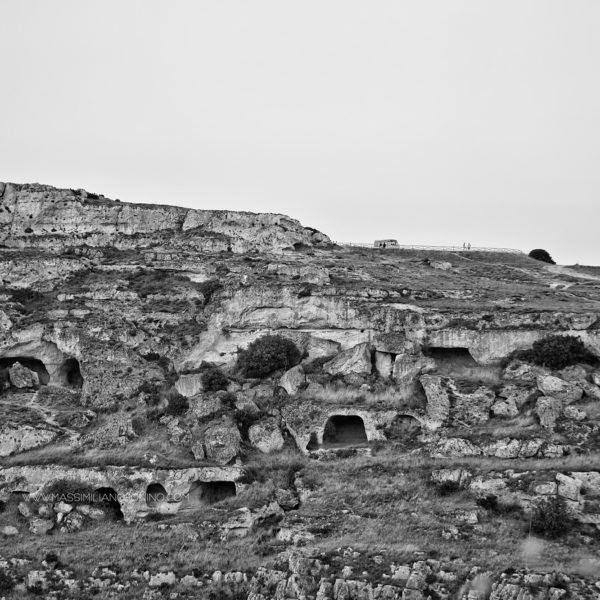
pixel 72 522
pixel 453 447
pixel 189 385
pixel 471 408
pixel 408 367
pixel 505 407
pixel 383 364
pixel 292 380
pixel 40 526
pixel 558 388
pixel 518 395
pixel 548 411
pixel 221 441
pixel 438 401
pixel 266 436
pixel 574 413
pixel 21 438
pixel 163 580
pixel 9 531
pixel 523 372
pixel 356 361
pixel 22 377
pixel 568 487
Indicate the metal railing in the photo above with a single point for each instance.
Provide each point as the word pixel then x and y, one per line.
pixel 432 248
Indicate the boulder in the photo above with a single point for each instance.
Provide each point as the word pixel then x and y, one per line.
pixel 40 526
pixel 383 364
pixel 596 378
pixel 72 522
pixel 287 499
pixel 407 367
pixel 266 436
pixel 523 372
pixel 574 413
pixel 505 407
pixel 355 361
pixel 518 394
pixel 24 509
pixel 320 348
pixel 162 580
pixel 22 377
pixel 548 411
pixel 292 380
pixel 9 531
pixel 221 441
pixel 438 400
pixel 555 387
pixel 568 487
pixel 574 373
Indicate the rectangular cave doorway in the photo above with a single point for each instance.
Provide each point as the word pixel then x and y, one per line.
pixel 208 492
pixel 344 430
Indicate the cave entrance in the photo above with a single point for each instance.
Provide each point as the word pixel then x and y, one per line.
pixel 209 492
pixel 156 495
pixel 70 373
pixel 343 430
pixel 33 364
pixel 460 357
pixel 107 499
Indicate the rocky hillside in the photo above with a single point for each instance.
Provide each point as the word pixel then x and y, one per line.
pixel 210 404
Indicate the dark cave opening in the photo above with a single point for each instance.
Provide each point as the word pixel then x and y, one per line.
pixel 344 430
pixel 209 492
pixel 33 364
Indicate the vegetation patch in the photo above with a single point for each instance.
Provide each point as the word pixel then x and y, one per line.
pixel 267 354
pixel 557 352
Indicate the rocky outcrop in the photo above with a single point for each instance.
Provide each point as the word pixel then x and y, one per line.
pixel 19 438
pixel 58 218
pixel 356 361
pixel 129 484
pixel 266 436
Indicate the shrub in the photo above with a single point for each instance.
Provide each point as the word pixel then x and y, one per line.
pixel 68 490
pixel 213 379
pixel 551 517
pixel 208 288
pixel 267 354
pixel 557 352
pixel 178 404
pixel 6 582
pixel 542 255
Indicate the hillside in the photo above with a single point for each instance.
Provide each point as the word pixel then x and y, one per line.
pixel 390 444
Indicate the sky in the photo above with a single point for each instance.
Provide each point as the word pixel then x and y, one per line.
pixel 434 122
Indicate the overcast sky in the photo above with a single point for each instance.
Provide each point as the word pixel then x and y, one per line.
pixel 430 121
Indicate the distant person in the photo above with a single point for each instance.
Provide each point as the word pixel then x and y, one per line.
pixel 464 245
pixel 469 246
pixel 384 245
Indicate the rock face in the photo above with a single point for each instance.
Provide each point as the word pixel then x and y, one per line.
pixel 356 361
pixel 220 442
pixel 15 439
pixel 291 381
pixel 43 212
pixel 266 436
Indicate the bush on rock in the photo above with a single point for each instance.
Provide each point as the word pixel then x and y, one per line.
pixel 267 354
pixel 557 352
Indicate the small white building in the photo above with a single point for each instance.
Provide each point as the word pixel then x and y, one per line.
pixel 385 243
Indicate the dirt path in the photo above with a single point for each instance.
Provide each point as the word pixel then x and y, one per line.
pixel 560 270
